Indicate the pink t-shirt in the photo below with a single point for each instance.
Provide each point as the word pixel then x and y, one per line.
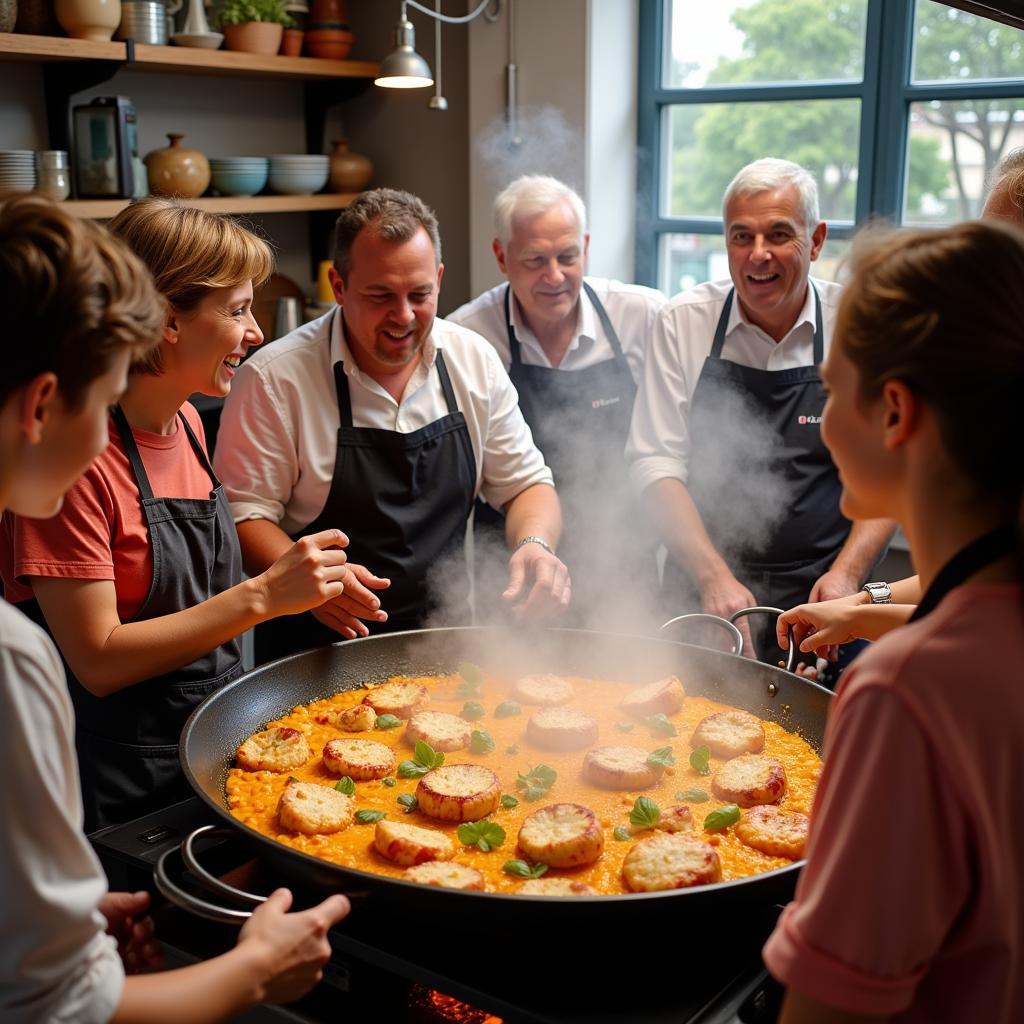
pixel 912 901
pixel 100 532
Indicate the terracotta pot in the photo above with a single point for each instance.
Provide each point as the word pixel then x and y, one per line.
pixel 89 19
pixel 324 13
pixel 291 42
pixel 177 171
pixel 254 37
pixel 350 172
pixel 329 43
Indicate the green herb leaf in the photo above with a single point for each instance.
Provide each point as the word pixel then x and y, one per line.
pixel 699 760
pixel 721 818
pixel 390 781
pixel 625 726
pixel 512 748
pixel 472 710
pixel 645 814
pixel 661 758
pixel 368 817
pixel 521 869
pixel 387 722
pixel 508 800
pixel 424 754
pixel 507 708
pixel 291 778
pixel 472 679
pixel 408 801
pixel 536 782
pixel 622 833
pixel 691 796
pixel 660 725
pixel 345 785
pixel 412 770
pixel 484 835
pixel 481 742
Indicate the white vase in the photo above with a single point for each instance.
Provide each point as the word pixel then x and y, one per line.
pixel 195 20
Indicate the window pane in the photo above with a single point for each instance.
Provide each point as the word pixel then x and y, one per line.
pixel 688 260
pixel 707 143
pixel 951 149
pixel 954 46
pixel 745 42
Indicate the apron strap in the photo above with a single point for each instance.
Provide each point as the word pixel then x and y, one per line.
pixel 723 321
pixel 513 342
pixel 819 333
pixel 132 451
pixel 198 449
pixel 446 382
pixel 602 315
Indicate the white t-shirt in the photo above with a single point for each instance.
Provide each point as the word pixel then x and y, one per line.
pixel 56 962
pixel 277 440
pixel 684 330
pixel 631 309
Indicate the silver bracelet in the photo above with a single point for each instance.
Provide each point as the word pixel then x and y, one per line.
pixel 534 540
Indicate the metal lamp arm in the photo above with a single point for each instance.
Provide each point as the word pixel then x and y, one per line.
pixel 450 19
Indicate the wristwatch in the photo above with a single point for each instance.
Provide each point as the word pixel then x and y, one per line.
pixel 878 592
pixel 534 540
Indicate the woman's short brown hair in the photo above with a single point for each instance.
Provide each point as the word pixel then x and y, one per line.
pixel 941 310
pixel 190 252
pixel 73 296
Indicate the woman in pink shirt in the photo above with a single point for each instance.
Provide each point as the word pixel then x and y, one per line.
pixel 911 907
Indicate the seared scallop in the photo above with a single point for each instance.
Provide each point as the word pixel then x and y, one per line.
pixel 361 718
pixel 411 844
pixel 620 768
pixel 676 818
pixel 458 792
pixel 314 809
pixel 774 831
pixel 401 699
pixel 729 734
pixel 274 750
pixel 555 887
pixel 561 729
pixel 663 697
pixel 446 875
pixel 543 689
pixel 359 759
pixel 750 779
pixel 562 836
pixel 666 861
pixel 441 730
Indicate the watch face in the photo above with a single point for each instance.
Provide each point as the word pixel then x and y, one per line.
pixel 879 593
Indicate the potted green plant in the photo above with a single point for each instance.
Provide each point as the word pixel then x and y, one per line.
pixel 254 26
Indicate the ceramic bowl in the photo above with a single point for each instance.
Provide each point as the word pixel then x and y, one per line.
pixel 238 183
pixel 200 40
pixel 297 183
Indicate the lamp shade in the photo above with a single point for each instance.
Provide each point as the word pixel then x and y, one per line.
pixel 404 68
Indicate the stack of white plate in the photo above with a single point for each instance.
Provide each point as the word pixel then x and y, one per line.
pixel 299 175
pixel 18 170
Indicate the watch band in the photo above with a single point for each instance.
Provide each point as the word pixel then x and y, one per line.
pixel 534 540
pixel 878 592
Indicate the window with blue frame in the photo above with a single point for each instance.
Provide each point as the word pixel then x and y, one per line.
pixel 900 108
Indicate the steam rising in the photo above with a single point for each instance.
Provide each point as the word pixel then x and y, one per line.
pixel 541 142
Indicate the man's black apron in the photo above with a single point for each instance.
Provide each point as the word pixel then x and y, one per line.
pixel 403 501
pixel 787 404
pixel 580 421
pixel 128 741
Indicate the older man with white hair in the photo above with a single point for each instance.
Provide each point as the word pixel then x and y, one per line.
pixel 574 348
pixel 725 443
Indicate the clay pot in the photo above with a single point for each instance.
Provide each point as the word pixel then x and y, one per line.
pixel 327 13
pixel 291 42
pixel 89 19
pixel 177 171
pixel 8 15
pixel 254 37
pixel 350 172
pixel 329 43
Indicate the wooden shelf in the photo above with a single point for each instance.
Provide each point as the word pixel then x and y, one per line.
pixel 102 209
pixel 14 47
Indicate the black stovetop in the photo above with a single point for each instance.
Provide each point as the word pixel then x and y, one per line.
pixel 706 972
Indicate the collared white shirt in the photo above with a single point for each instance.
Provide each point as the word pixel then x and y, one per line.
pixel 278 433
pixel 659 437
pixel 631 309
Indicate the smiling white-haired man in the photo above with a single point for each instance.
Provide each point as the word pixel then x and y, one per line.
pixel 725 443
pixel 574 347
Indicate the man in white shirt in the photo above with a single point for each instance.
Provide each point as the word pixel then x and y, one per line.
pixel 386 423
pixel 574 348
pixel 725 442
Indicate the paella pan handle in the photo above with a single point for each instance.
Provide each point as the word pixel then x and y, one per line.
pixel 188 855
pixel 766 609
pixel 734 634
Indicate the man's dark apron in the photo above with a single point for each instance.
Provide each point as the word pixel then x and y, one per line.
pixel 403 501
pixel 128 741
pixel 787 404
pixel 580 421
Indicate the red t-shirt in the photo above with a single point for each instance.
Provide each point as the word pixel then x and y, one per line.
pixel 100 533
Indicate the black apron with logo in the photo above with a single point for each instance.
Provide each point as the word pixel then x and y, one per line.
pixel 580 422
pixel 403 501
pixel 128 741
pixel 786 406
